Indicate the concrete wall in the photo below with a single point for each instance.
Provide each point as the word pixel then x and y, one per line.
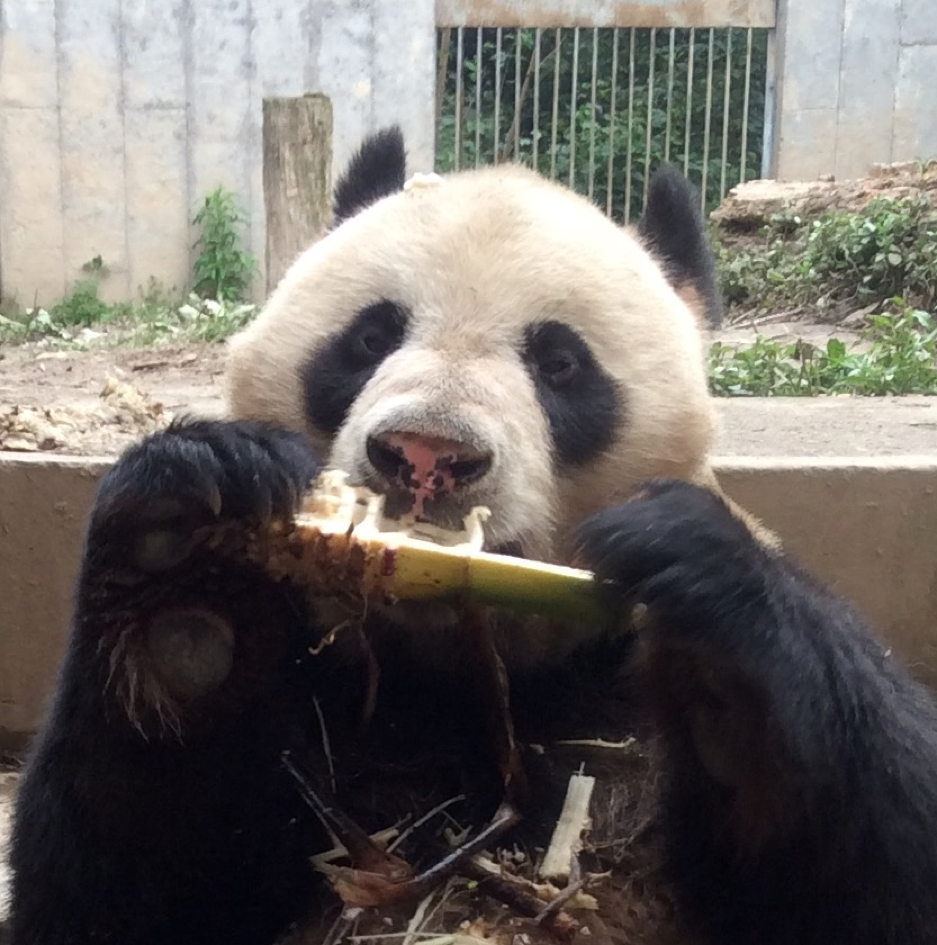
pixel 118 116
pixel 866 526
pixel 856 84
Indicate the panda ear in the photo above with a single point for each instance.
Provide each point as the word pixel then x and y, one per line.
pixel 377 169
pixel 674 230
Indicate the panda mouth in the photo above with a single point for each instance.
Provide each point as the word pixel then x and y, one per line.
pixel 440 510
pixel 443 512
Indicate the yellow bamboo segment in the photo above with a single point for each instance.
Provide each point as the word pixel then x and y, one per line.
pixel 341 544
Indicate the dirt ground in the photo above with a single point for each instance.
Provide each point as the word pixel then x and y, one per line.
pixel 52 402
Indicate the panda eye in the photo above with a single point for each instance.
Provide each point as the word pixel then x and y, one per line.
pixel 373 343
pixel 583 404
pixel 378 331
pixel 558 368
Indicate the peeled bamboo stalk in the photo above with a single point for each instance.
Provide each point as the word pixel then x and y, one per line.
pixel 341 544
pixel 567 836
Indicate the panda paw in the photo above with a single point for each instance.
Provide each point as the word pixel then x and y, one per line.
pixel 192 474
pixel 678 549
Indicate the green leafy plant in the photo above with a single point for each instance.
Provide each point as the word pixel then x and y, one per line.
pixel 885 250
pixel 901 358
pixel 213 320
pixel 157 317
pixel 84 307
pixel 888 249
pixel 223 269
pixel 29 324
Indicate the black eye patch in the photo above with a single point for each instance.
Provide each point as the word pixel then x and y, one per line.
pixel 583 404
pixel 337 373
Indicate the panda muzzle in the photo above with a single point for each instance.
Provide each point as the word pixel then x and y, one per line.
pixel 427 467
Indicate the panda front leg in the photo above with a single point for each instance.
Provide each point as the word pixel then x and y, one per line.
pixel 154 808
pixel 800 796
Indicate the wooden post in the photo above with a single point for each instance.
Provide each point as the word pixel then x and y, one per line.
pixel 297 143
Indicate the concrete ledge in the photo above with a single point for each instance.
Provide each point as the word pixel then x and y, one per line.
pixel 867 526
pixel 43 505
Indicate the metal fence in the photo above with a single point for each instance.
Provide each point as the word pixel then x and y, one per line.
pixel 600 108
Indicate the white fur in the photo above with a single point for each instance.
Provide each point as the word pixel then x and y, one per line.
pixel 475 261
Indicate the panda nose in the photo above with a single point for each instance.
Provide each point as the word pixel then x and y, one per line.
pixel 426 466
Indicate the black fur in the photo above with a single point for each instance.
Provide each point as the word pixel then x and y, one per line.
pixel 583 405
pixel 802 786
pixel 378 169
pixel 126 831
pixel 673 227
pixel 336 374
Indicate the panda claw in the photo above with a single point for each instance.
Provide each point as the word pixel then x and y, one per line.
pixel 154 500
pixel 675 547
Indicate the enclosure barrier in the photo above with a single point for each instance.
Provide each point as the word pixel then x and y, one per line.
pixel 598 95
pixel 866 526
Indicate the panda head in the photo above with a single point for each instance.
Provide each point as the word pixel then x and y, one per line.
pixel 490 338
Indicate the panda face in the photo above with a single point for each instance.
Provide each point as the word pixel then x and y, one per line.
pixel 486 339
pixel 438 425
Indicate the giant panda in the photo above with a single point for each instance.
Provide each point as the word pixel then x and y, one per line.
pixel 497 329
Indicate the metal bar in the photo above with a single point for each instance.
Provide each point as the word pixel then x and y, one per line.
pixel 556 101
pixel 649 130
pixel 611 127
pixel 479 52
pixel 442 78
pixel 628 147
pixel 497 132
pixel 517 95
pixel 768 157
pixel 688 130
pixel 726 105
pixel 592 117
pixel 743 162
pixel 707 117
pixel 536 128
pixel 705 161
pixel 550 14
pixel 671 56
pixel 573 94
pixel 458 99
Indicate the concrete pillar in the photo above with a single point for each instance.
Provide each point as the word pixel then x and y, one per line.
pixel 808 56
pixel 376 60
pixel 31 251
pixel 855 85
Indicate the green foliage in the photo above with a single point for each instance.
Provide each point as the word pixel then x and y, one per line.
pixel 901 359
pixel 223 269
pixel 636 115
pixel 84 306
pixel 212 320
pixel 33 323
pixel 887 249
pixel 157 317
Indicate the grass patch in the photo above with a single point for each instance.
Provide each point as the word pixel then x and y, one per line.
pixel 901 359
